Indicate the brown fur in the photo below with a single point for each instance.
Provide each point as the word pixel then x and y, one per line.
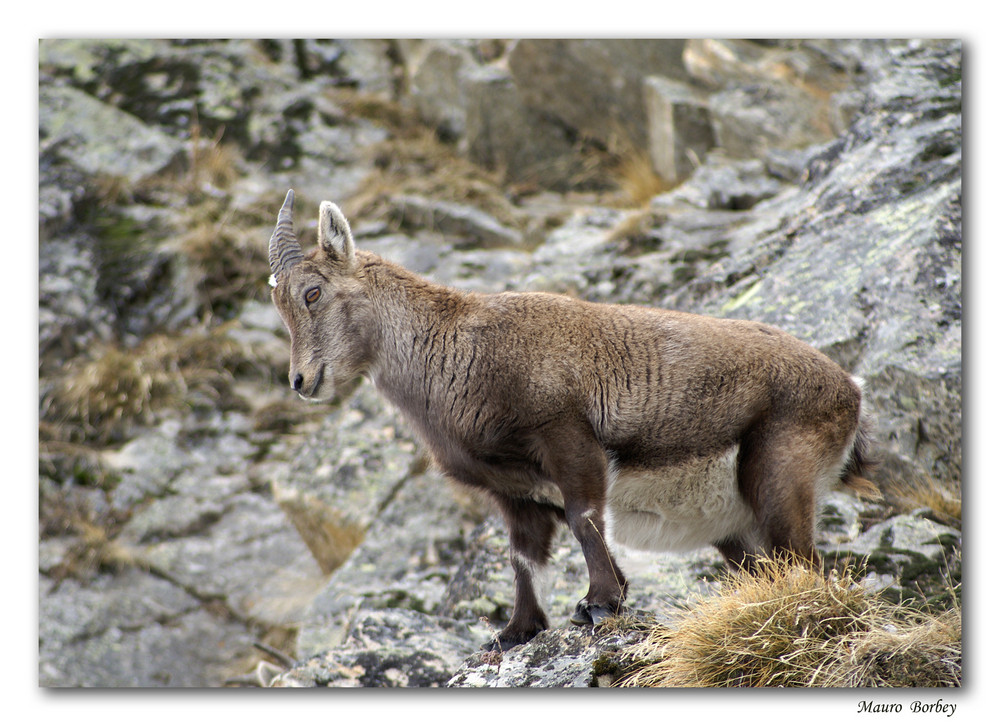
pixel 537 398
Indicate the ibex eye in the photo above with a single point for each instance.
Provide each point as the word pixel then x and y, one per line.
pixel 312 294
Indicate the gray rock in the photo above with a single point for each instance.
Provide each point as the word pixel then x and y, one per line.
pixel 594 87
pixel 842 517
pixel 404 562
pixel 908 534
pixel 728 63
pixel 680 128
pixel 435 69
pixel 386 648
pixel 72 317
pixel 574 252
pixel 132 630
pixel 319 524
pixel 749 120
pixel 909 558
pixel 770 96
pixel 369 63
pixel 434 256
pixel 557 658
pixel 102 140
pixel 82 60
pixel 248 557
pixel 356 460
pixel 467 225
pixel 722 183
pixel 483 270
pixel 504 134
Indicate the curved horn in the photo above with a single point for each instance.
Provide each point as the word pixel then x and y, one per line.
pixel 283 251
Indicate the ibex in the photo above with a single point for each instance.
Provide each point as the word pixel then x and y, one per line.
pixel 665 429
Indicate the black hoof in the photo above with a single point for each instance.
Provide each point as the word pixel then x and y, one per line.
pixel 587 614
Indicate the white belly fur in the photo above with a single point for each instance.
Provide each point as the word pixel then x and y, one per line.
pixel 678 507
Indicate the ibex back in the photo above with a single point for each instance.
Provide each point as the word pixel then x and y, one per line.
pixel 664 429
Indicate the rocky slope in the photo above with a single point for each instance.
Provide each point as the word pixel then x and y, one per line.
pixel 197 521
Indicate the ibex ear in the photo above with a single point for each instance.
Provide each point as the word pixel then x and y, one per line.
pixel 335 234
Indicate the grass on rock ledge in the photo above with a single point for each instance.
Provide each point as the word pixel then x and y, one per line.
pixel 794 627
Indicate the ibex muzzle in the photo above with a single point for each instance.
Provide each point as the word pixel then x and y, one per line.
pixel 667 430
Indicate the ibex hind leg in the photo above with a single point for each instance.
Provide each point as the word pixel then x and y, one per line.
pixel 779 472
pixel 575 461
pixel 738 553
pixel 531 526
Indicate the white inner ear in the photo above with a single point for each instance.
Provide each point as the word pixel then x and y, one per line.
pixel 335 233
pixel 272 281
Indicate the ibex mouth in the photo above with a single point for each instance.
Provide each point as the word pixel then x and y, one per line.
pixel 316 386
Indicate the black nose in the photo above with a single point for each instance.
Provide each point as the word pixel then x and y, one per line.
pixel 297 383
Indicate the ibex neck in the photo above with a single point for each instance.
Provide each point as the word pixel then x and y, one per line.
pixel 417 320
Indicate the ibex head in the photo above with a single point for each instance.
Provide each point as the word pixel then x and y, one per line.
pixel 322 302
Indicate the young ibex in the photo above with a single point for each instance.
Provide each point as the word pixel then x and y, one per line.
pixel 668 430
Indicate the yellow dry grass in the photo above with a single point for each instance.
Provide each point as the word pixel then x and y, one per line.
pixel 228 265
pixel 212 161
pixel 636 179
pixel 794 627
pixel 414 160
pixel 99 399
pixel 330 535
pixel 943 498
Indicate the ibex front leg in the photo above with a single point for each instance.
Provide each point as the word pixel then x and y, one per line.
pixel 531 526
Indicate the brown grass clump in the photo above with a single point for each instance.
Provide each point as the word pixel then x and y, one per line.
pixel 95 549
pixel 228 265
pixel 424 166
pixel 635 178
pixel 942 498
pixel 90 536
pixel 793 627
pixel 414 160
pixel 629 171
pixel 924 652
pixel 211 161
pixel 330 534
pixel 98 400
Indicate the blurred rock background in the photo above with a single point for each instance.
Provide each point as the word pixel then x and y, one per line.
pixel 200 526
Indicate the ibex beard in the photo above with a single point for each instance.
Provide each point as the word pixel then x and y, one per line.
pixel 667 430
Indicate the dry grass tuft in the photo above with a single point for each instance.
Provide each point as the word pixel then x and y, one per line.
pixel 96 398
pixel 630 172
pixel 96 549
pixel 414 160
pixel 93 547
pixel 942 498
pixel 423 165
pixel 228 265
pixel 920 653
pixel 793 627
pixel 402 121
pixel 635 178
pixel 330 535
pixel 100 399
pixel 212 161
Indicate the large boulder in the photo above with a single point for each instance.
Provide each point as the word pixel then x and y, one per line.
pixel 594 87
pixel 505 134
pixel 864 259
